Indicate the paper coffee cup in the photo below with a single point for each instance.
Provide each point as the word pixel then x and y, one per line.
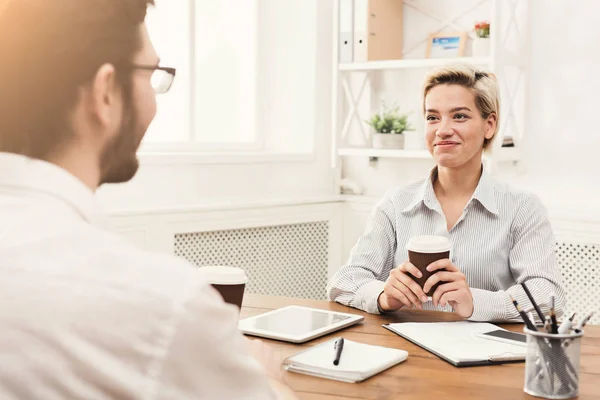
pixel 230 282
pixel 422 251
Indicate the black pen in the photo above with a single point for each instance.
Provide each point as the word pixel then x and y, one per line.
pixel 553 316
pixel 338 347
pixel 533 303
pixel 530 325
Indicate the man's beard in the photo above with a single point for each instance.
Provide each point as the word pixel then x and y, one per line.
pixel 118 161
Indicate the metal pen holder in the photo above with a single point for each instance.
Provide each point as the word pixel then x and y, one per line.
pixel 552 364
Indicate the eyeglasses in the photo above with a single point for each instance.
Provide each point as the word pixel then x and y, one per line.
pixel 162 77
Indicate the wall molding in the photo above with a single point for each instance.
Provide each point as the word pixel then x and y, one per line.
pixel 166 157
pixel 227 205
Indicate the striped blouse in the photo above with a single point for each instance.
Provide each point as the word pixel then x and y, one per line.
pixel 503 238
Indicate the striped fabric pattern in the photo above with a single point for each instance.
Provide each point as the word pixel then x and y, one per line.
pixel 502 239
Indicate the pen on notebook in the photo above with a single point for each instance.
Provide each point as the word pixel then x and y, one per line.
pixel 583 322
pixel 338 347
pixel 526 319
pixel 553 316
pixel 533 303
pixel 566 325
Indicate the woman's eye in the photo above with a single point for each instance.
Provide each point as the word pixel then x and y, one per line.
pixel 431 118
pixel 461 116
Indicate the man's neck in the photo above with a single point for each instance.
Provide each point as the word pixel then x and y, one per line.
pixel 458 182
pixel 81 166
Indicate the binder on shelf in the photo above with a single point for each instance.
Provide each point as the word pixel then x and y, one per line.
pixel 346 36
pixel 361 28
pixel 377 30
pixel 385 30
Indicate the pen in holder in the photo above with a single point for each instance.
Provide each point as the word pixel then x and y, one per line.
pixel 552 364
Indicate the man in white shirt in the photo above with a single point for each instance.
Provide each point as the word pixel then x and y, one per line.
pixel 83 315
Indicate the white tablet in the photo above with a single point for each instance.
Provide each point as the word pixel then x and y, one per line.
pixel 297 324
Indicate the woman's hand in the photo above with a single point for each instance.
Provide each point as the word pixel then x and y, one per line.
pixel 400 290
pixel 454 290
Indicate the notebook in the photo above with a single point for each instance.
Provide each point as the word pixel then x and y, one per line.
pixel 358 361
pixel 458 343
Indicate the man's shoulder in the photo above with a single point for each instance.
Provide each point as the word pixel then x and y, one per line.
pixel 142 268
pixel 100 259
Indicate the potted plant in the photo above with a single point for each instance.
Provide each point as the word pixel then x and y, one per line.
pixel 481 44
pixel 389 126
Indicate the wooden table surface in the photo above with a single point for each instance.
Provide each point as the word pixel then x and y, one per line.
pixel 422 375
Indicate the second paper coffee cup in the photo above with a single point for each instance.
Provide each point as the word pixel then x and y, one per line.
pixel 422 251
pixel 230 282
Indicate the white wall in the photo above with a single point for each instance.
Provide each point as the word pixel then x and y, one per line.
pixel 288 109
pixel 562 142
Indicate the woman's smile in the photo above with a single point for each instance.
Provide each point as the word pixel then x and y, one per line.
pixel 446 144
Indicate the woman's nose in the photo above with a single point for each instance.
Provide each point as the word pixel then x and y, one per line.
pixel 444 129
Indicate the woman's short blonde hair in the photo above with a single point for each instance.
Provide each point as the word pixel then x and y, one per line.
pixel 483 84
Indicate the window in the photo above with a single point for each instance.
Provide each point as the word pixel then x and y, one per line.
pixel 170 32
pixel 213 99
pixel 246 75
pixel 225 80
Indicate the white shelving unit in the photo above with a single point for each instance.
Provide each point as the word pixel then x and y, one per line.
pixel 504 24
pixel 390 153
pixel 416 63
pixel 505 154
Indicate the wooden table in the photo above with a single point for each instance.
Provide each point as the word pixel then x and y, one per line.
pixel 422 375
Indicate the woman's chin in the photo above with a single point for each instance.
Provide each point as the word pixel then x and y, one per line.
pixel 454 159
pixel 447 160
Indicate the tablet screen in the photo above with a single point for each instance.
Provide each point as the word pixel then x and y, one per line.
pixel 296 321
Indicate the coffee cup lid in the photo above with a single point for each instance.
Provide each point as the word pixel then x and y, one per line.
pixel 429 244
pixel 222 275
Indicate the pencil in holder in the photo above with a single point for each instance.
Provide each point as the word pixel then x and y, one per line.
pixel 552 364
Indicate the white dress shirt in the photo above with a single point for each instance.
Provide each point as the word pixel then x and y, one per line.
pixel 503 238
pixel 85 315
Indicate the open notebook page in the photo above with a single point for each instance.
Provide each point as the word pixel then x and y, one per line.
pixel 458 341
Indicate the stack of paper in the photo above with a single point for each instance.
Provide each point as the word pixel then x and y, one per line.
pixel 358 361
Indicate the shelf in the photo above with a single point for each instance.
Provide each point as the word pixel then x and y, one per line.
pixel 504 154
pixel 388 153
pixel 411 63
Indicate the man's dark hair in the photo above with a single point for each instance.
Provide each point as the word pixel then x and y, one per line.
pixel 49 49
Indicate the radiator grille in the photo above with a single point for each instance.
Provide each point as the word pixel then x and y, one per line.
pixel 284 260
pixel 580 268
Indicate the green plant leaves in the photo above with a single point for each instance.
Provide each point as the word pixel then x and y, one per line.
pixel 390 121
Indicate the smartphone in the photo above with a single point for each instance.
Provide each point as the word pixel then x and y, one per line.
pixel 501 335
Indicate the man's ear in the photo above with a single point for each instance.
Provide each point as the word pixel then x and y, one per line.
pixel 490 126
pixel 105 96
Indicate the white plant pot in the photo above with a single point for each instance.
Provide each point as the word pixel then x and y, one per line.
pixel 388 141
pixel 481 47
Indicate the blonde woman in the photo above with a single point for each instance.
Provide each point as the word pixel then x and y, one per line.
pixel 501 237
